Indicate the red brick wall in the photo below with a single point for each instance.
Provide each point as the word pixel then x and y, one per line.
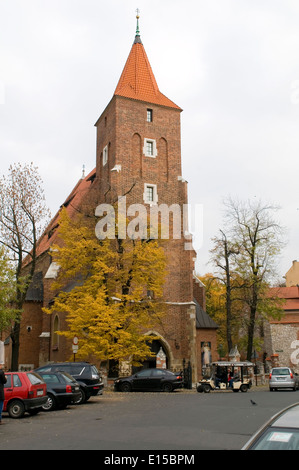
pixel 123 127
pixel 31 328
pixel 199 293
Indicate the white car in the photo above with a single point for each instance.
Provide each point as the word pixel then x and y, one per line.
pixel 283 377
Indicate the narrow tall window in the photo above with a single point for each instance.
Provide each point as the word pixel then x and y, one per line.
pixel 150 195
pixel 55 336
pixel 149 115
pixel 149 148
pixel 105 155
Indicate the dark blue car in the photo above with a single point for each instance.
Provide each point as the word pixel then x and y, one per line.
pixel 62 390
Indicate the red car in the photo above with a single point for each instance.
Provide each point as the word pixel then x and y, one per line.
pixel 24 391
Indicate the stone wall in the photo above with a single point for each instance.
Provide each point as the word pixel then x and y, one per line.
pixel 285 342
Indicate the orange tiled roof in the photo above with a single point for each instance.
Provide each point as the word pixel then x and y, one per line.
pixel 289 294
pixel 72 203
pixel 137 80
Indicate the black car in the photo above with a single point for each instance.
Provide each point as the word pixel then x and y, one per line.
pixel 62 390
pixel 150 379
pixel 85 374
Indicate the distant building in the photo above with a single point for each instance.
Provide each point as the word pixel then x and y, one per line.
pixel 282 336
pixel 292 276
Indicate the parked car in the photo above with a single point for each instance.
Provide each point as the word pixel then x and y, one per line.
pixel 283 377
pixel 62 390
pixel 85 374
pixel 24 391
pixel 150 379
pixel 281 432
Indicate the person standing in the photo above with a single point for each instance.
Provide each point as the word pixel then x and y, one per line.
pixel 2 382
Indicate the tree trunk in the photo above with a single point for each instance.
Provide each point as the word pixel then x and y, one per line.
pixel 250 334
pixel 228 322
pixel 15 338
pixel 251 326
pixel 228 301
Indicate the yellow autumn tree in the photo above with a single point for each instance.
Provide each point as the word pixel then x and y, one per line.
pixel 117 293
pixel 215 304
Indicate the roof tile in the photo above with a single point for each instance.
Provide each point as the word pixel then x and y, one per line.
pixel 138 82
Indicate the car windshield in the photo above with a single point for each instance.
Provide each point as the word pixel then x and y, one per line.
pixel 68 378
pixel 278 439
pixel 94 370
pixel 281 371
pixel 75 369
pixel 35 379
pixel 50 378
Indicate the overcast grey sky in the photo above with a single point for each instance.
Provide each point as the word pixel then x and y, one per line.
pixel 232 65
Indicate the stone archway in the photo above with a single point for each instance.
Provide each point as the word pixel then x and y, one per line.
pixel 156 345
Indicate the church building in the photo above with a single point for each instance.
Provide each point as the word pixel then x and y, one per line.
pixel 138 154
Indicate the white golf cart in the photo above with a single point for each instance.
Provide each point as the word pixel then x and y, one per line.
pixel 226 375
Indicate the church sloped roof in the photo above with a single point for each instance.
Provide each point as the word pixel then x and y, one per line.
pixel 72 203
pixel 137 80
pixel 203 320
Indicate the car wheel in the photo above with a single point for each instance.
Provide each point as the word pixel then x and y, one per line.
pixel 167 387
pixel 206 388
pixel 125 387
pixel 243 388
pixel 199 389
pixel 16 409
pixel 50 404
pixel 82 398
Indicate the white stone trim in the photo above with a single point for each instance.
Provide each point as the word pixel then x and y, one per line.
pixel 155 193
pixel 155 152
pixel 52 271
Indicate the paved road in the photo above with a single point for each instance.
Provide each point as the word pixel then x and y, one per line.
pixel 183 420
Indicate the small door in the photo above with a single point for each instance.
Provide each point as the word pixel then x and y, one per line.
pixel 158 377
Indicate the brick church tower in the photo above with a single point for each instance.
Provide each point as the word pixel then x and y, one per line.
pixel 138 158
pixel 139 155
